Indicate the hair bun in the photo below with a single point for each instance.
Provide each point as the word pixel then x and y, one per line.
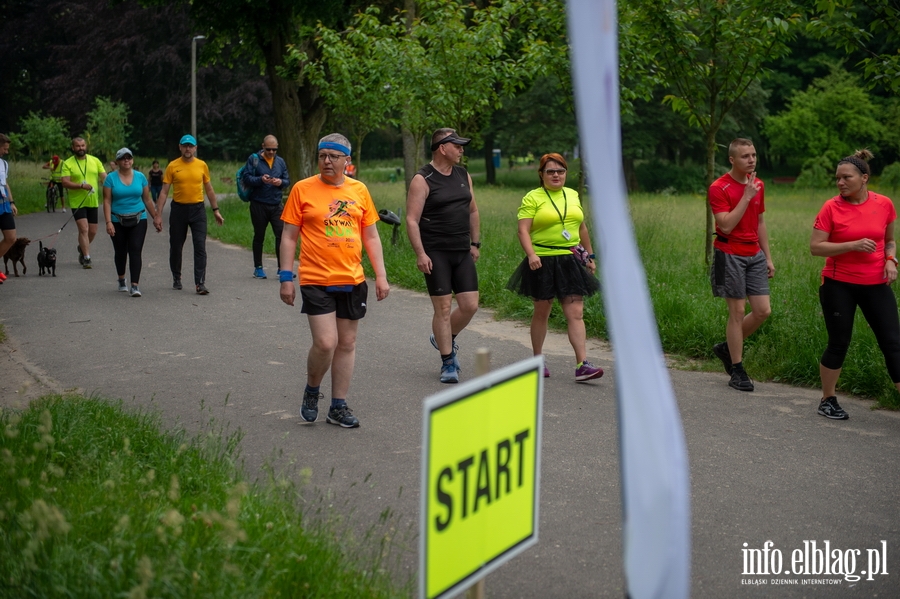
pixel 864 154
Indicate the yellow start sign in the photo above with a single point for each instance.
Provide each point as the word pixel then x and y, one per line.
pixel 480 476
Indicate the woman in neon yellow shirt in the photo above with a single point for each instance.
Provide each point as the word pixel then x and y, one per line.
pixel 553 233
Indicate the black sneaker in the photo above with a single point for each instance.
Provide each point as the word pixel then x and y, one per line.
pixel 829 408
pixel 202 290
pixel 80 256
pixel 176 284
pixel 740 380
pixel 342 417
pixel 86 263
pixel 721 351
pixel 309 411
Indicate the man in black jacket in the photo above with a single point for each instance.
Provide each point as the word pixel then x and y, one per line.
pixel 266 175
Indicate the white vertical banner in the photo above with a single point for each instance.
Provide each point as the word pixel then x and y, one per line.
pixel 654 469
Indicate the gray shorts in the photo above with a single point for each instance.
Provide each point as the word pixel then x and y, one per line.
pixel 737 277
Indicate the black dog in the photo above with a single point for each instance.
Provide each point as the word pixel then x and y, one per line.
pixel 46 260
pixel 17 254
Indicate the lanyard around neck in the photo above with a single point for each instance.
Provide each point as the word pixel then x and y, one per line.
pixel 562 217
pixel 83 170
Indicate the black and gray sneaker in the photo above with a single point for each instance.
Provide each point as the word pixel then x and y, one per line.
pixel 122 285
pixel 86 263
pixel 721 351
pixel 80 256
pixel 176 284
pixel 309 411
pixel 740 380
pixel 342 416
pixel 829 408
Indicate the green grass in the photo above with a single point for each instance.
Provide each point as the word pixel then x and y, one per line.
pixel 96 502
pixel 669 232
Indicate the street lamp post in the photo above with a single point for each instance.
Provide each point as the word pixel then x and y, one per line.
pixel 194 83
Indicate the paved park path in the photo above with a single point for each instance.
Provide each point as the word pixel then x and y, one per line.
pixel 764 466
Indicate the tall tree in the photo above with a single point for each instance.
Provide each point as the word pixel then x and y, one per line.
pixel 831 119
pixel 710 52
pixel 135 55
pixel 353 75
pixel 868 26
pixel 264 34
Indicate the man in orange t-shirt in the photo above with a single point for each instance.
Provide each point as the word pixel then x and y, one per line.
pixel 742 264
pixel 334 217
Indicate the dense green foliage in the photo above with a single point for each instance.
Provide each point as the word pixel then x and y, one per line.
pixel 43 135
pixel 108 128
pixel 97 502
pixel 831 119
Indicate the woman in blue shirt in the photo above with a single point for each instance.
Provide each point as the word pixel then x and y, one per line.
pixel 126 203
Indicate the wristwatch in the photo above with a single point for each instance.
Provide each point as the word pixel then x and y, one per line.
pixel 476 244
pixel 892 259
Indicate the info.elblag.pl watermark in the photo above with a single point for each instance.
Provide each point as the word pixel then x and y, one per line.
pixel 814 564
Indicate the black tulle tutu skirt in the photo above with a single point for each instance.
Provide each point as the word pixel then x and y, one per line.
pixel 558 277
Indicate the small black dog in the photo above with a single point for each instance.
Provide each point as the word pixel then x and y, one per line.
pixel 17 254
pixel 46 260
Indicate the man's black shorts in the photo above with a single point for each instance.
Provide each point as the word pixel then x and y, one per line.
pixel 451 272
pixel 89 213
pixel 349 305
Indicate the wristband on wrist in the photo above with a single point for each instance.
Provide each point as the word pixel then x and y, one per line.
pixel 216 209
pixel 285 276
pixel 592 256
pixel 892 259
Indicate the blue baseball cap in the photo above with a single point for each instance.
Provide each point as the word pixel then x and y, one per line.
pixel 188 140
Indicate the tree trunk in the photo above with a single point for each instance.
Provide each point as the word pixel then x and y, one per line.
pixel 413 154
pixel 489 168
pixel 299 115
pixel 710 177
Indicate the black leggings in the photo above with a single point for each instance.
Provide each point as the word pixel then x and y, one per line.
pixel 879 306
pixel 128 243
pixel 262 215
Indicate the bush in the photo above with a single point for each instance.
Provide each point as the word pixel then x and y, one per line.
pixel 43 135
pixel 817 173
pixel 657 176
pixel 890 176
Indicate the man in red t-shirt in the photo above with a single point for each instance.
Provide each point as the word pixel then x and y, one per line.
pixel 742 264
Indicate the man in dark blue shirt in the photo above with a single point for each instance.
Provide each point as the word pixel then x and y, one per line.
pixel 266 175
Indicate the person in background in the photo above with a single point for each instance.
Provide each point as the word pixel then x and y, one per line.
pixel 188 176
pixel 551 225
pixel 854 231
pixel 126 203
pixel 742 264
pixel 82 175
pixel 267 176
pixel 155 176
pixel 55 167
pixel 8 210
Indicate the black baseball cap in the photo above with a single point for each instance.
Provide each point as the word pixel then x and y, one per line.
pixel 450 139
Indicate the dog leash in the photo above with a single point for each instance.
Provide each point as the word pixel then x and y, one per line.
pixel 56 235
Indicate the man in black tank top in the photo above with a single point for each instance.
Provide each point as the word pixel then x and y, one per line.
pixel 444 230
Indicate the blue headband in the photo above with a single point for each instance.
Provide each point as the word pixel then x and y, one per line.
pixel 331 145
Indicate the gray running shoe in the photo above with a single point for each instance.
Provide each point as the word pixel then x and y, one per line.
pixel 309 411
pixel 122 285
pixel 135 292
pixel 455 351
pixel 449 371
pixel 342 417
